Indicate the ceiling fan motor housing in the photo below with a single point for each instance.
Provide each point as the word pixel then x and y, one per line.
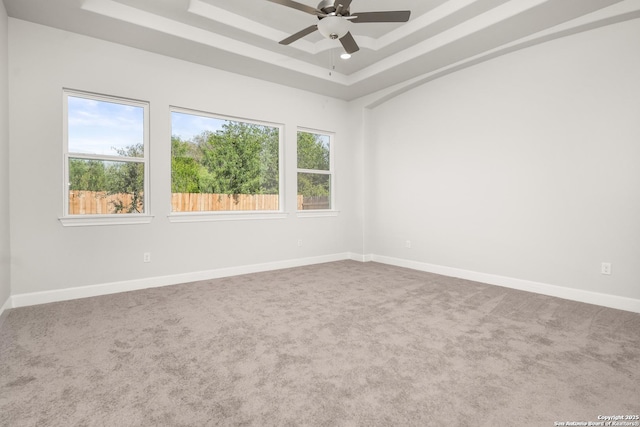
pixel 331 6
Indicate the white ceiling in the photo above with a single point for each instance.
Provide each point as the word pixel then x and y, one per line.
pixel 242 36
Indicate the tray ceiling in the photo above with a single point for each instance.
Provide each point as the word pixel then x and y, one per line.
pixel 242 36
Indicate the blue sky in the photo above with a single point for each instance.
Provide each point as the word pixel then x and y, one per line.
pixel 186 126
pixel 98 127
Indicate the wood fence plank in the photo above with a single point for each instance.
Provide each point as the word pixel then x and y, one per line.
pixel 98 202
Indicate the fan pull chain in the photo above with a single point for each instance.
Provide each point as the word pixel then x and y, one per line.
pixel 333 62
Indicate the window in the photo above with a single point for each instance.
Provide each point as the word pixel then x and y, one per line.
pixel 315 170
pixel 106 155
pixel 223 164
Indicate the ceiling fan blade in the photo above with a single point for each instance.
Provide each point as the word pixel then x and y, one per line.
pixel 390 16
pixel 298 6
pixel 349 44
pixel 299 34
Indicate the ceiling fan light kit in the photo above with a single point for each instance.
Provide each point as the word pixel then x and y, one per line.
pixel 336 18
pixel 333 27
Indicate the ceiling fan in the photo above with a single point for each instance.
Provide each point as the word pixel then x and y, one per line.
pixel 334 16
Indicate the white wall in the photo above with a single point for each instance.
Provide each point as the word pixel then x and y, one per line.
pixel 526 166
pixel 48 256
pixel 5 263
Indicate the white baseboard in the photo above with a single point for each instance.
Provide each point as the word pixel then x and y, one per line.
pixel 613 301
pixel 359 257
pixel 33 298
pixel 7 305
pixel 589 297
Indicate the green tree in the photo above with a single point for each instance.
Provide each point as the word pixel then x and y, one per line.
pixel 185 167
pixel 128 178
pixel 240 158
pixel 313 151
pixel 313 154
pixel 86 175
pixel 112 177
pixel 270 161
pixel 314 184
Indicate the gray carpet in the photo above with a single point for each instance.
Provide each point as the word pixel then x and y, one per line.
pixel 338 344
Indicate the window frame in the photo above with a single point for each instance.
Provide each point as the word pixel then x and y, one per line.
pixel 332 211
pixel 68 219
pixel 200 216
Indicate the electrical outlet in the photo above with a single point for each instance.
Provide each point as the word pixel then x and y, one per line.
pixel 146 257
pixel 606 268
pixel 299 242
pixel 407 244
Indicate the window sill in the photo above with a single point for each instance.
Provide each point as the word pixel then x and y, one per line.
pixel 225 216
pixel 317 213
pixel 93 220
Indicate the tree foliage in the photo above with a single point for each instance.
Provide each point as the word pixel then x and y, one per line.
pixel 188 175
pixel 128 177
pixel 240 158
pixel 313 154
pixel 87 175
pixel 112 177
pixel 313 151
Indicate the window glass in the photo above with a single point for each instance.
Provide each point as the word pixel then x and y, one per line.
pixel 223 164
pixel 105 155
pixel 105 187
pixel 313 151
pixel 314 171
pixel 107 128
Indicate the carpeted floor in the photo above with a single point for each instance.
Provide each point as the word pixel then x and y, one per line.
pixel 338 344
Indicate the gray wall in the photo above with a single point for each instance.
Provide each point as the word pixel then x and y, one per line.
pixel 5 255
pixel 525 166
pixel 49 256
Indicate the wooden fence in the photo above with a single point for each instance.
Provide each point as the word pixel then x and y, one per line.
pixel 99 202
pixel 314 202
pixel 203 202
pixel 96 202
